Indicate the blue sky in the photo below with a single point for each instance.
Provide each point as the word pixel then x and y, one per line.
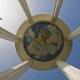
pixel 13 16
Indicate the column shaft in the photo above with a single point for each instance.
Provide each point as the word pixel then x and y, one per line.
pixel 57 7
pixel 74 35
pixel 26 10
pixel 8 36
pixel 69 71
pixel 15 72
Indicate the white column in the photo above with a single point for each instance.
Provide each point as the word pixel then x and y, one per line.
pixel 8 36
pixel 69 71
pixel 26 10
pixel 15 72
pixel 57 8
pixel 75 34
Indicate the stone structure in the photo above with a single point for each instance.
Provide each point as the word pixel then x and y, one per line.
pixel 8 36
pixel 57 9
pixel 42 42
pixel 15 72
pixel 75 34
pixel 69 71
pixel 26 10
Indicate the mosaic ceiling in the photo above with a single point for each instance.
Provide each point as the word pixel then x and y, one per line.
pixel 43 41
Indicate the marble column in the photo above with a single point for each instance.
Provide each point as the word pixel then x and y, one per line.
pixel 15 72
pixel 57 8
pixel 8 36
pixel 69 71
pixel 74 35
pixel 26 10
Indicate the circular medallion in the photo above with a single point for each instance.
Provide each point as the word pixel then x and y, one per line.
pixel 43 41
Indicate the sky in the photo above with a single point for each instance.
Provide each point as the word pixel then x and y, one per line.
pixel 13 16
